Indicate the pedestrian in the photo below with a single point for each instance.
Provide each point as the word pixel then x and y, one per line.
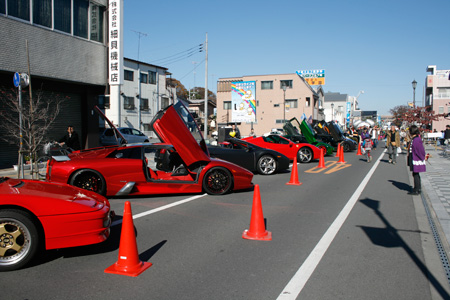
pixel 392 142
pixel 375 134
pixel 416 159
pixel 252 133
pixel 70 139
pixel 235 132
pixel 447 134
pixel 367 146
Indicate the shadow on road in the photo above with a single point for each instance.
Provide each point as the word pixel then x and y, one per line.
pixel 400 185
pixel 389 237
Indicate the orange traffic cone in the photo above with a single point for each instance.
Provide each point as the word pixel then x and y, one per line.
pixel 359 149
pixel 341 157
pixel 322 159
pixel 294 174
pixel 128 263
pixel 257 229
pixel 338 151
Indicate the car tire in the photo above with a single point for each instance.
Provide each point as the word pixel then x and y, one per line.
pixel 346 147
pixel 266 165
pixel 305 155
pixel 217 181
pixel 19 239
pixel 89 180
pixel 325 150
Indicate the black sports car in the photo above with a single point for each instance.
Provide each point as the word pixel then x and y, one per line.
pixel 249 156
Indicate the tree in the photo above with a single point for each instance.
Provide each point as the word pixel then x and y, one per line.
pixel 182 92
pixel 38 114
pixel 199 93
pixel 398 113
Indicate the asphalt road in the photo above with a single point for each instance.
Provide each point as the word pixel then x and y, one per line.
pixel 373 248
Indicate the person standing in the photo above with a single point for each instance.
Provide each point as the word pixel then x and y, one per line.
pixel 416 159
pixel 392 142
pixel 447 134
pixel 375 135
pixel 235 132
pixel 70 139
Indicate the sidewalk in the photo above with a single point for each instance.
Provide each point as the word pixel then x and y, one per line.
pixel 436 188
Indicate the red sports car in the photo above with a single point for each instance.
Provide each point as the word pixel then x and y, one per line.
pixel 180 164
pixel 305 152
pixel 36 215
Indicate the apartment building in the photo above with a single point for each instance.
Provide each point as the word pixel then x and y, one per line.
pixel 276 98
pixel 438 95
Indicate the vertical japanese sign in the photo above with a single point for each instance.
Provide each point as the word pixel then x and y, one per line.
pixel 243 103
pixel 115 42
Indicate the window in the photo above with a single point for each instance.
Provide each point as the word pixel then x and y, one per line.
pixel 144 104
pixel 144 78
pixel 279 121
pixel 103 101
pixel 266 85
pixel 152 77
pixel 441 109
pixel 2 6
pixel 287 83
pixel 147 127
pixel 276 105
pixel 291 103
pixel 128 75
pixel 19 9
pixel 226 105
pixel 128 102
pixel 80 18
pixel 308 102
pixel 62 18
pixel 42 12
pixel 164 102
pixel 96 22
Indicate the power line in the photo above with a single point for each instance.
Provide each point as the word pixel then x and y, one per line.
pixel 180 55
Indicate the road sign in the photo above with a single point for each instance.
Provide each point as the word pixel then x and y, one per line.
pixel 16 79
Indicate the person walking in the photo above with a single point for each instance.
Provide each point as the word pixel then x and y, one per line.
pixel 416 159
pixel 375 134
pixel 392 142
pixel 447 134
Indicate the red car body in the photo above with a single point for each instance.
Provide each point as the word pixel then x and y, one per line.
pixel 305 152
pixel 40 215
pixel 180 164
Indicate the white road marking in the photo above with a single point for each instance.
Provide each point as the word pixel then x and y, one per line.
pixel 297 283
pixel 149 212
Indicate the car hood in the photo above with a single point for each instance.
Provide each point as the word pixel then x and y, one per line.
pixel 45 198
pixel 175 125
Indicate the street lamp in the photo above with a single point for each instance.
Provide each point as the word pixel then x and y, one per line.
pixel 332 111
pixel 284 102
pixel 414 84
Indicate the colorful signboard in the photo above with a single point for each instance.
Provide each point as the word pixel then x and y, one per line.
pixel 115 66
pixel 243 103
pixel 312 77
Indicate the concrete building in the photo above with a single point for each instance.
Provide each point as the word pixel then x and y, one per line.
pixel 438 95
pixel 273 104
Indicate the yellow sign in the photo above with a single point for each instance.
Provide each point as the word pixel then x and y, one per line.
pixel 315 81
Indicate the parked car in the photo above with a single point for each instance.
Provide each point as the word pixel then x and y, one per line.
pixel 305 152
pixel 129 136
pixel 36 215
pixel 249 156
pixel 179 164
pixel 303 133
pixel 331 133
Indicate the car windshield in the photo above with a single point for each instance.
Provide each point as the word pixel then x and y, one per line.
pixel 292 127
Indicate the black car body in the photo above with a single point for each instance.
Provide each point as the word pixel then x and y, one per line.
pixel 332 134
pixel 249 156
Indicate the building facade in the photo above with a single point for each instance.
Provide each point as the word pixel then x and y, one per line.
pixel 438 95
pixel 273 104
pixel 336 107
pixel 66 56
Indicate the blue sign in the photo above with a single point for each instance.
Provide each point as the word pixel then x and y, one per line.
pixel 16 79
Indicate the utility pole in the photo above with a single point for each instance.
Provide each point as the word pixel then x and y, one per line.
pixel 139 77
pixel 206 88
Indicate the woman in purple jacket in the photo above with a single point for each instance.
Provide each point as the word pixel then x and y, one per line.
pixel 416 158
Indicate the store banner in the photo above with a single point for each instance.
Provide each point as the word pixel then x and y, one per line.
pixel 243 103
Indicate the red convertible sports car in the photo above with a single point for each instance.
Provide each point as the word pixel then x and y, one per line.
pixel 36 215
pixel 180 164
pixel 305 152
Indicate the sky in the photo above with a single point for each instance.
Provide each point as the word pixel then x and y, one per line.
pixel 378 47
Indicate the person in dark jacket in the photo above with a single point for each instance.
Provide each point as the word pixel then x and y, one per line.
pixel 416 159
pixel 71 139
